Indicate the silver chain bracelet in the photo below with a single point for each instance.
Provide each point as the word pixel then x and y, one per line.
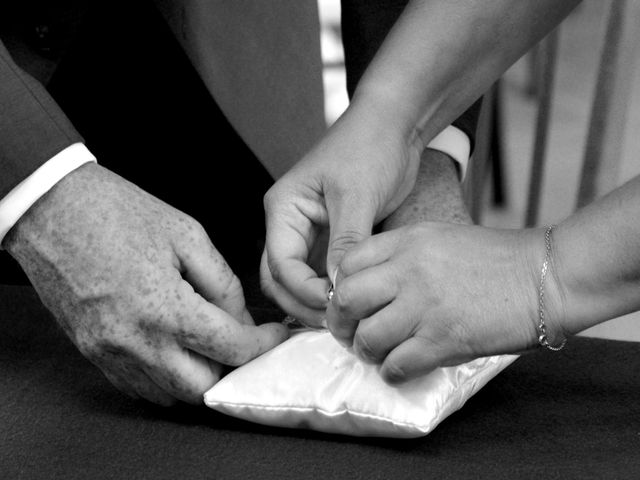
pixel 542 327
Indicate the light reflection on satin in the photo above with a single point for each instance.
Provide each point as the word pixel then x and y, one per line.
pixel 310 381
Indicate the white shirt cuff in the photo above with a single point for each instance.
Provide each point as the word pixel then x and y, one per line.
pixel 455 143
pixel 27 192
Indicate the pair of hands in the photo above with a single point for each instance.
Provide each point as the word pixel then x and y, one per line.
pixel 142 292
pixel 140 289
pixel 418 296
pixel 144 295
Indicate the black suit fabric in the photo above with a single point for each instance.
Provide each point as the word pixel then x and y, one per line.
pixel 131 92
pixel 142 109
pixel 32 127
pixel 145 113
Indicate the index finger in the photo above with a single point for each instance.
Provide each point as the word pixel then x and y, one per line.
pixel 215 334
pixel 313 318
pixel 288 246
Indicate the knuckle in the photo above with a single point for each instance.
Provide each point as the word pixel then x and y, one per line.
pixel 347 262
pixel 343 302
pixel 195 225
pixel 194 229
pixel 275 268
pixel 339 191
pixel 345 240
pixel 95 349
pixel 232 287
pixel 101 334
pixel 270 198
pixel 368 346
pixel 88 341
pixel 266 286
pixel 89 350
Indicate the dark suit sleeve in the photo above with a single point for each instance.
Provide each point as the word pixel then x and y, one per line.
pixel 365 24
pixel 32 127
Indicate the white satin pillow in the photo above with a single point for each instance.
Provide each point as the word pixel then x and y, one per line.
pixel 311 381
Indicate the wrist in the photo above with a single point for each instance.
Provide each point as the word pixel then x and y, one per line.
pixel 577 294
pixel 546 304
pixel 436 196
pixel 552 315
pixel 391 109
pixel 592 276
pixel 21 197
pixel 41 215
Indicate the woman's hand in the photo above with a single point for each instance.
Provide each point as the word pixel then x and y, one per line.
pixel 435 294
pixel 357 175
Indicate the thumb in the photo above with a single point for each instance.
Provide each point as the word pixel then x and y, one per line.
pixel 349 223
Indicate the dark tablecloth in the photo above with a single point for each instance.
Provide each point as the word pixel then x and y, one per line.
pixel 574 414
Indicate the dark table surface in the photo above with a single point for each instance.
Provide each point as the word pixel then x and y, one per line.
pixel 573 414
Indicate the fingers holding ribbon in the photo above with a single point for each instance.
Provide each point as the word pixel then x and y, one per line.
pixel 433 295
pixel 363 284
pixel 294 219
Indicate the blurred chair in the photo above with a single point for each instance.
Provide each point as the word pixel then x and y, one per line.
pixel 606 126
pixel 487 157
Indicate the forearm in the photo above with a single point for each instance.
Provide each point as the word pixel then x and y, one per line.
pixel 597 259
pixel 436 195
pixel 442 55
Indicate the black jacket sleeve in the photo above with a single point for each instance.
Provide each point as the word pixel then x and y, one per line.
pixel 32 127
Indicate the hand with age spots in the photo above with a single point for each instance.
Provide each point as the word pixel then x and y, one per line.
pixel 137 286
